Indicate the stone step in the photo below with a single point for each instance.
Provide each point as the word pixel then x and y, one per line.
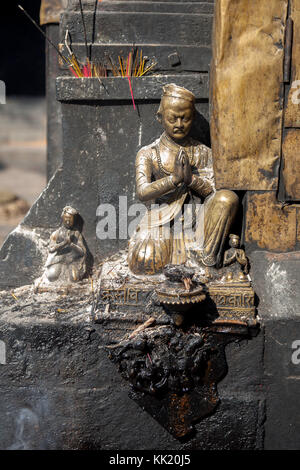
pixel 157 7
pixel 90 4
pixel 168 58
pixel 143 5
pixel 140 27
pixel 153 1
pixel 116 88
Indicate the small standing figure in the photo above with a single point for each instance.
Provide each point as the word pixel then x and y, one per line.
pixel 235 254
pixel 67 252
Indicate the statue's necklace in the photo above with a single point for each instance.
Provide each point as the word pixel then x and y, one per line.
pixel 160 165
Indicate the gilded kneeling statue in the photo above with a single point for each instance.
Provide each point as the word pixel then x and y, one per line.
pixel 186 218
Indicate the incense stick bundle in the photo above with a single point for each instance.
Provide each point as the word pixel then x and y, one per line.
pixel 131 66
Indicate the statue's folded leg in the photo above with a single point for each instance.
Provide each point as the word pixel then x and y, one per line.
pixel 218 217
pixel 150 250
pixel 76 271
pixel 53 272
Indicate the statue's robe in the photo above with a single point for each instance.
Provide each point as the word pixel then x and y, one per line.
pixel 184 218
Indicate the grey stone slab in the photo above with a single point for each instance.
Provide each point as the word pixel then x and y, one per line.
pixel 67 355
pixel 153 1
pixel 24 251
pixel 90 5
pixel 281 339
pixel 117 88
pixel 282 426
pixel 21 257
pixel 54 117
pixel 191 58
pixel 60 391
pixel 193 29
pixel 282 379
pixel 162 7
pixel 246 366
pixel 276 278
pixel 237 424
pixel 44 418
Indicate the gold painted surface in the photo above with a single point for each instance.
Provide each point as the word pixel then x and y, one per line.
pixel 51 10
pixel 292 112
pixel 268 225
pixel 233 302
pixel 291 166
pixel 168 296
pixel 298 225
pixel 246 85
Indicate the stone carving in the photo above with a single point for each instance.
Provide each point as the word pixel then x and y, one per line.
pixel 122 296
pixel 67 253
pixel 191 218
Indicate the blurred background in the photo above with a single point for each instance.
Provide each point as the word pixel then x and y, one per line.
pixel 23 117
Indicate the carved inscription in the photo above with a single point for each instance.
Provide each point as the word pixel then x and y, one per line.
pixel 233 303
pixel 233 300
pixel 122 296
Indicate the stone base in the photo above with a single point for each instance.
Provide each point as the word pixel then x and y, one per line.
pixel 42 285
pixel 60 391
pixel 216 302
pixel 168 341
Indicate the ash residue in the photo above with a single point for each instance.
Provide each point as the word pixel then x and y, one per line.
pixel 24 305
pixel 163 359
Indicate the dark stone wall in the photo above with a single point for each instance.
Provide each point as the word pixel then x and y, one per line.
pixel 276 279
pixel 60 391
pixel 54 115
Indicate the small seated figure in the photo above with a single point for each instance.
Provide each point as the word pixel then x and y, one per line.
pixel 175 174
pixel 236 255
pixel 67 253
